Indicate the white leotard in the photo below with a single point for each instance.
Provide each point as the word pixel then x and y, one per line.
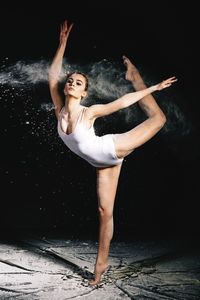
pixel 99 151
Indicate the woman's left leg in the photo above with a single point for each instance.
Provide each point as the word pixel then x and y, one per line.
pixel 107 182
pixel 126 142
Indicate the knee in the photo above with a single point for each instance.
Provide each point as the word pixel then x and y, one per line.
pixel 161 120
pixel 105 213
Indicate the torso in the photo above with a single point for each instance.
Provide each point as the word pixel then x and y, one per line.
pixel 79 136
pixel 68 123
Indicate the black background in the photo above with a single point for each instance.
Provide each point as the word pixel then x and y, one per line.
pixel 45 187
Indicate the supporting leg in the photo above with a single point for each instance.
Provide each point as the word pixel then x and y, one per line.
pixel 107 181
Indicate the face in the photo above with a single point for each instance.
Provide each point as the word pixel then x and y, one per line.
pixel 75 86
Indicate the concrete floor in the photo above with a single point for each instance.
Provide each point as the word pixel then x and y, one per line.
pixel 51 266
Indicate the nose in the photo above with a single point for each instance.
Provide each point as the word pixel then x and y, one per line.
pixel 72 83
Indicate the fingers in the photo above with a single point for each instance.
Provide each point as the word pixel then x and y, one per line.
pixel 166 83
pixel 169 81
pixel 172 79
pixel 70 27
pixel 65 26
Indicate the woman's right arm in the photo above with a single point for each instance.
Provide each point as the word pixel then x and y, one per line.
pixel 56 67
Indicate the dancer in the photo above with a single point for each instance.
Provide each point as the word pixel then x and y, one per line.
pixel 105 153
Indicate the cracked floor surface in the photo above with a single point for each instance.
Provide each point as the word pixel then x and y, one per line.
pixel 42 266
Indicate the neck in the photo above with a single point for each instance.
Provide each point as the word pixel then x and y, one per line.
pixel 72 104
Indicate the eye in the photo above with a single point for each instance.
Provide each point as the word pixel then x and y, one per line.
pixel 70 80
pixel 79 83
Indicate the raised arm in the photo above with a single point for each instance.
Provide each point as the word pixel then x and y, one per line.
pixel 99 110
pixel 56 67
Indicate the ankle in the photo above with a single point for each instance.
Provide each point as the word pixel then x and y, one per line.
pixel 101 263
pixel 139 85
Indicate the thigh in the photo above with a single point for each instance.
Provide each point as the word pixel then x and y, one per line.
pixel 107 182
pixel 126 142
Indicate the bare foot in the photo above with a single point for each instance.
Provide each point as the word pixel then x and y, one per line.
pixel 132 73
pixel 100 269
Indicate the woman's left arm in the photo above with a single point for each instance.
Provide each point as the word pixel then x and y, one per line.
pixel 100 110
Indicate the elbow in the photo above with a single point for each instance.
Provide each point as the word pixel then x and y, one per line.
pixel 52 75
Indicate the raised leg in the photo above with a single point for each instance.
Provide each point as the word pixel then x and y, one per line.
pixel 126 142
pixel 107 181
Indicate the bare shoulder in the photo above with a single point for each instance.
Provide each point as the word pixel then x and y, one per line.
pixel 59 111
pixel 88 113
pixel 92 112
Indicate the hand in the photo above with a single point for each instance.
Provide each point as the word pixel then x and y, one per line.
pixel 166 83
pixel 65 29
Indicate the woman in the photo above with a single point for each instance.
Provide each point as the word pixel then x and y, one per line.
pixel 105 153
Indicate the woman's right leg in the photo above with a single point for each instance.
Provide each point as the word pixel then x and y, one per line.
pixel 107 181
pixel 126 142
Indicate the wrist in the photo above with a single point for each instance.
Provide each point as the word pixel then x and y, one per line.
pixel 63 42
pixel 154 88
